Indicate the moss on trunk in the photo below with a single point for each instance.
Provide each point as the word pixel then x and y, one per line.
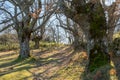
pixel 98 55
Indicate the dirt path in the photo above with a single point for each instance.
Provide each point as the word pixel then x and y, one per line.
pixel 52 61
pixel 45 66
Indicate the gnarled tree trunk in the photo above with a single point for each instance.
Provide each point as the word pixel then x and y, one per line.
pixel 99 52
pixel 24 38
pixel 36 44
pixel 76 43
pixel 24 48
pixel 93 14
pixel 36 40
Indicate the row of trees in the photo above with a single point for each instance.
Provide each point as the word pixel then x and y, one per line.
pixel 89 21
pixel 97 21
pixel 24 16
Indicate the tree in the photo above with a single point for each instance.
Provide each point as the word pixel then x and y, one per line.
pixel 3 39
pixel 113 19
pixel 37 36
pixel 23 17
pixel 116 46
pixel 74 29
pixel 50 33
pixel 91 18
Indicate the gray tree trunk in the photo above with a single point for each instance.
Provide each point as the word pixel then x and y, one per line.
pixel 24 38
pixel 36 46
pixel 76 42
pixel 36 40
pixel 93 14
pixel 99 44
pixel 24 48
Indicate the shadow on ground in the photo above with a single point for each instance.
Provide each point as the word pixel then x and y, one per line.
pixel 43 65
pixel 108 72
pixel 62 63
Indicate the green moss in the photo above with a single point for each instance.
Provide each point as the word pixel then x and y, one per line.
pixel 98 62
pixel 115 47
pixel 97 26
pixel 97 23
pixel 97 59
pixel 97 30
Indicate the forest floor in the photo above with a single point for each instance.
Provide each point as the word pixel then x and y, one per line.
pixel 59 63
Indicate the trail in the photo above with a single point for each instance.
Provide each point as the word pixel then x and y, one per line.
pixel 46 65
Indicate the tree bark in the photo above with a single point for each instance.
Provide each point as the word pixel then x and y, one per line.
pixel 98 55
pixel 76 43
pixel 24 38
pixel 90 16
pixel 116 47
pixel 24 48
pixel 99 49
pixel 36 46
pixel 37 40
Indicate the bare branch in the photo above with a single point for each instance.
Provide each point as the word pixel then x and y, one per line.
pixel 6 27
pixel 47 18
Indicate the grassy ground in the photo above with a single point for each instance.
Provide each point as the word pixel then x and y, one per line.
pixel 15 46
pixel 57 63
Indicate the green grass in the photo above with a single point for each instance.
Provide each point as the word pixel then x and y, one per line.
pixel 23 70
pixel 116 35
pixel 15 46
pixel 50 66
pixel 9 46
pixel 14 68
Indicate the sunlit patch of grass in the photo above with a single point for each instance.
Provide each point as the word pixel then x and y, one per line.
pixel 116 35
pixel 48 64
pixel 112 63
pixel 11 67
pixel 7 57
pixel 18 70
pixel 9 46
pixel 14 68
pixel 44 44
pixel 73 70
pixel 18 75
pixel 113 73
